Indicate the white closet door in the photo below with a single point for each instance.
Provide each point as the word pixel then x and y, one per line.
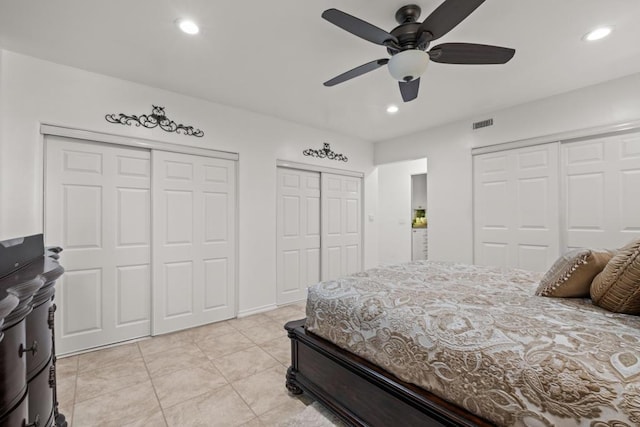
pixel 601 189
pixel 298 230
pixel 194 254
pixel 341 225
pixel 516 220
pixel 97 207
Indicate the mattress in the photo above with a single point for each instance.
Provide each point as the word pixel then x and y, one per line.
pixel 479 337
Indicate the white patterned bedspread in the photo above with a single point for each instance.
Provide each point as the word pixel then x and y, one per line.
pixel 480 338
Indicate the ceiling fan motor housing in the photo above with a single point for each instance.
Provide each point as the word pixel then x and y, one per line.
pixel 408 65
pixel 407 35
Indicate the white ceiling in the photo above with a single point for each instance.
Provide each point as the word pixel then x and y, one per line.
pixel 273 56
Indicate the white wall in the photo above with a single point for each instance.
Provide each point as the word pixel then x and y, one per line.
pixel 1 128
pixel 394 210
pixel 448 148
pixel 35 91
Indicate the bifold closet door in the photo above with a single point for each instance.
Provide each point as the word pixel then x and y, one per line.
pixel 516 212
pixel 298 230
pixel 97 207
pixel 341 237
pixel 194 253
pixel 601 191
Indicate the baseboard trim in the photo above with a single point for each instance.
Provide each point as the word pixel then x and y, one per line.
pixel 257 310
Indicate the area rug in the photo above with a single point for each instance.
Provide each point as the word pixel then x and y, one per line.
pixel 314 415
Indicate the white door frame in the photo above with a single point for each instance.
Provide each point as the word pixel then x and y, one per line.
pixel 316 168
pixel 149 144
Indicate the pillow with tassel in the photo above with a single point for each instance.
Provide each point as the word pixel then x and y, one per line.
pixel 571 275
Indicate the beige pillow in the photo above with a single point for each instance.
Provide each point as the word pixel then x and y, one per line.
pixel 571 275
pixel 617 288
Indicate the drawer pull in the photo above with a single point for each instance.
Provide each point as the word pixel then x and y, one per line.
pixel 51 319
pixel 52 376
pixel 35 423
pixel 33 349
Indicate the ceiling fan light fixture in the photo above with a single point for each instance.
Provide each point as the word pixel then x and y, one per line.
pixel 408 65
pixel 597 34
pixel 392 109
pixel 188 26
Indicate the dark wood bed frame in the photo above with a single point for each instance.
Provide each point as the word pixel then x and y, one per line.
pixel 361 393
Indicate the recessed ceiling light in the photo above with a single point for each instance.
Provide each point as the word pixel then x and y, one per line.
pixel 188 26
pixel 392 109
pixel 597 34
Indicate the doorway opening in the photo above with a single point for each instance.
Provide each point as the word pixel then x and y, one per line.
pixel 396 211
pixel 419 222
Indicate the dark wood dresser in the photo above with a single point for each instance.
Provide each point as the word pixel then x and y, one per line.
pixel 27 348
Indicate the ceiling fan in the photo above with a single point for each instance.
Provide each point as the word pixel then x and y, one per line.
pixel 408 42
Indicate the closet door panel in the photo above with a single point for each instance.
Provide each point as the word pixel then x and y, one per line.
pixel 178 289
pixel 312 265
pixel 291 265
pixel 132 288
pixel 341 225
pixel 629 183
pixel 516 208
pixel 491 215
pixel 535 245
pixel 629 206
pixel 533 207
pixel 332 263
pixel 216 274
pixel 319 230
pixel 298 233
pixel 492 253
pixel 81 303
pixel 601 178
pixel 97 207
pixel 194 240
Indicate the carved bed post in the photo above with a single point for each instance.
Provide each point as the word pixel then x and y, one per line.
pixel 293 369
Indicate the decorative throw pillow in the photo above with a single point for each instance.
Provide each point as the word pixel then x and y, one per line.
pixel 571 275
pixel 617 288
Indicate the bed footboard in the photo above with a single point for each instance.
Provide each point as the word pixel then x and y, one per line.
pixel 361 393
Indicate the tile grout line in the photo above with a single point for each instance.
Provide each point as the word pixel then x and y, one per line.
pixel 75 390
pixel 155 393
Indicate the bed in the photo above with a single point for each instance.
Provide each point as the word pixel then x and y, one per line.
pixel 430 343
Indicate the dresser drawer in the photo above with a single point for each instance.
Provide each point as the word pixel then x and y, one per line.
pixel 38 334
pixel 18 416
pixel 13 368
pixel 40 390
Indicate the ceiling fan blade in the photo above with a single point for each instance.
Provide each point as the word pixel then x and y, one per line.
pixel 470 53
pixel 359 27
pixel 409 90
pixel 358 71
pixel 447 16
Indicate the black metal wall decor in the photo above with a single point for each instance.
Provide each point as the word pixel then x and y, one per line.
pixel 155 119
pixel 325 152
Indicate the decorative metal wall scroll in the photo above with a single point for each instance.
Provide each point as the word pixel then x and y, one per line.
pixel 325 152
pixel 155 119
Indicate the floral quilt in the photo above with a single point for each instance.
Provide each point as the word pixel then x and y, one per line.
pixel 479 337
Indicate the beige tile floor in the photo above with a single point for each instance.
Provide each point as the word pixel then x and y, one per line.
pixel 229 373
